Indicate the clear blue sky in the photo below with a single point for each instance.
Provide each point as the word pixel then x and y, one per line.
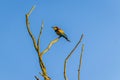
pixel 99 20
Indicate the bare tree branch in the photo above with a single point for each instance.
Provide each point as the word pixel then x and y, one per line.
pixel 28 27
pixel 80 62
pixel 38 42
pixel 43 68
pixel 37 46
pixel 50 45
pixel 65 62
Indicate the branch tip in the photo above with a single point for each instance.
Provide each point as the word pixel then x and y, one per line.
pixel 33 7
pixel 40 33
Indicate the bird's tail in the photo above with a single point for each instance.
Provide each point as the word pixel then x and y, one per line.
pixel 66 38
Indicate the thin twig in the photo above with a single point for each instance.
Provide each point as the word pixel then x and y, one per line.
pixel 31 10
pixel 36 78
pixel 41 29
pixel 50 45
pixel 65 62
pixel 80 62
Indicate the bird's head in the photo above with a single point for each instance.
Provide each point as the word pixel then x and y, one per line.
pixel 55 28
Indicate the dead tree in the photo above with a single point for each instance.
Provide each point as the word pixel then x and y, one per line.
pixel 40 54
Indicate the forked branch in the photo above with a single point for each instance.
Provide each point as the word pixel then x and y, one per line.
pixel 37 45
pixel 40 54
pixel 65 62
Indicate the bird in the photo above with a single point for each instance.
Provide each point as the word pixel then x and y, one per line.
pixel 60 32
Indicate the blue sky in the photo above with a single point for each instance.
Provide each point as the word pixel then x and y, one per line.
pixel 99 20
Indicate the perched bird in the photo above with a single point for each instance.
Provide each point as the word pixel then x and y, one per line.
pixel 60 32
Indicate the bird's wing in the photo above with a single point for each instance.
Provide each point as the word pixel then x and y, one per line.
pixel 62 34
pixel 61 31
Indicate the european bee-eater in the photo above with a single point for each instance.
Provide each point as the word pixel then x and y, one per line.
pixel 60 32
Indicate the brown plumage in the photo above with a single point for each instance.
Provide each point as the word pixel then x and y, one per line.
pixel 60 32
